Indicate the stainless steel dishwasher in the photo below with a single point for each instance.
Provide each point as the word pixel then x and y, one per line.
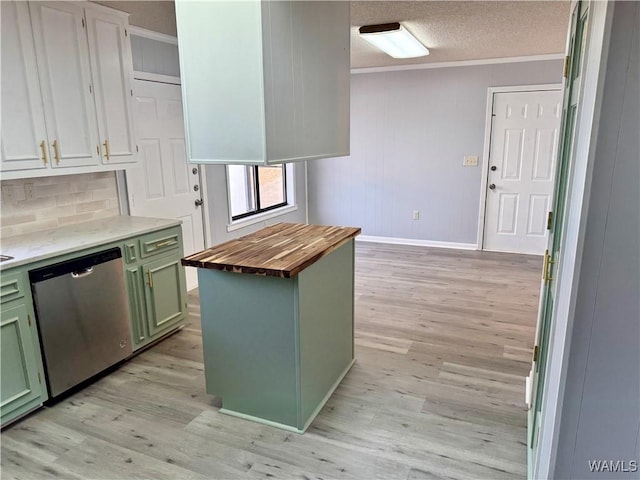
pixel 81 307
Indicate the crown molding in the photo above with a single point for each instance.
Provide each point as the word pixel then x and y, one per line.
pixel 462 63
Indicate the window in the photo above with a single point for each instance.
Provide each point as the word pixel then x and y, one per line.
pixel 254 189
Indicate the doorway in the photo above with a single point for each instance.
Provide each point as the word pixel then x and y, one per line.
pixel 523 125
pixel 165 184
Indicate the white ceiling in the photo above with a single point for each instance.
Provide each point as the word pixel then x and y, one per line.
pixel 464 30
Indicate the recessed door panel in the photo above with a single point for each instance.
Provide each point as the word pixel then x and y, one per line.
pixel 544 156
pixel 513 152
pixel 538 208
pixel 153 170
pixel 507 214
pixel 181 183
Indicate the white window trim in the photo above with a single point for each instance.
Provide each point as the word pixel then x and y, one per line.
pixel 291 206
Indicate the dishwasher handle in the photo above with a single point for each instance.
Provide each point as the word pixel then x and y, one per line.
pixel 85 272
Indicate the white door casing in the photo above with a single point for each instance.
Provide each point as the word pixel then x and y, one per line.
pixel 163 185
pixel 523 148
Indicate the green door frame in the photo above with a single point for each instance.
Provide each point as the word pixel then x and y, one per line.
pixel 573 77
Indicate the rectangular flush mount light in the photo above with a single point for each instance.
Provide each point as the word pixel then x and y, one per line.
pixel 394 40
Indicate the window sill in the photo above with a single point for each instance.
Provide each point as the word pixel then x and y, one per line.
pixel 260 217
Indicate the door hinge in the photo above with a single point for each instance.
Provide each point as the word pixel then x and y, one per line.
pixel 567 66
pixel 125 33
pixel 90 89
pixel 549 220
pixel 546 266
pixel 137 149
pixel 131 92
pixel 29 319
pixel 83 23
pixel 535 354
pixel 39 378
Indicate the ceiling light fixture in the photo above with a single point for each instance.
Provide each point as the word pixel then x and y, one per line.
pixel 394 40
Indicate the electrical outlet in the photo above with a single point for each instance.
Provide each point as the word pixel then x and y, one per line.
pixel 470 161
pixel 28 191
pixel 416 214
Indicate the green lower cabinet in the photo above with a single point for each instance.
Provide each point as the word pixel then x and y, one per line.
pixel 157 298
pixel 21 367
pixel 164 292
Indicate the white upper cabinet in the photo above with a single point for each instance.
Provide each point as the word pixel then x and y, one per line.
pixel 24 137
pixel 66 89
pixel 264 82
pixel 111 62
pixel 65 79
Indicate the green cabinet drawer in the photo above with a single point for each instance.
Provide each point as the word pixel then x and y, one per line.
pixel 160 242
pixel 12 285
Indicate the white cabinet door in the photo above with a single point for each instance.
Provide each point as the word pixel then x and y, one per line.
pixel 264 82
pixel 110 53
pixel 24 137
pixel 65 79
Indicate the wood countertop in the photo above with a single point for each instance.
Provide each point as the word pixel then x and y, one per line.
pixel 280 250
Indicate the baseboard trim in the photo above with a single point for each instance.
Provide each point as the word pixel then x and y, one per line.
pixel 416 242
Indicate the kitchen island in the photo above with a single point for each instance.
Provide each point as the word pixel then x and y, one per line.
pixel 277 320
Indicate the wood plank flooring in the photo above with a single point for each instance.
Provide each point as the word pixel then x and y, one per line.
pixel 443 343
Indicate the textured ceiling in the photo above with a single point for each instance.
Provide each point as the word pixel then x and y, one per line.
pixel 470 30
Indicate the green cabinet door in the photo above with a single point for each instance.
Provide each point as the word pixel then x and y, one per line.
pixel 133 279
pixel 21 389
pixel 164 293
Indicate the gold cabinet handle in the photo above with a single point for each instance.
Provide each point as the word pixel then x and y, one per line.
pixel 106 149
pixel 150 278
pixel 56 151
pixel 43 147
pixel 165 243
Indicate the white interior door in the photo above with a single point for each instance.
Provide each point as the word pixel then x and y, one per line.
pixel 524 142
pixel 165 185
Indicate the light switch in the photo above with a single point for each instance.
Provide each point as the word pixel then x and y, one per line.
pixel 470 161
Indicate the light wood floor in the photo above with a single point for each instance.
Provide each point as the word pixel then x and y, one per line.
pixel 443 343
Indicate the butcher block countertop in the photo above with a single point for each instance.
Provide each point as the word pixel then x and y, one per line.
pixel 280 250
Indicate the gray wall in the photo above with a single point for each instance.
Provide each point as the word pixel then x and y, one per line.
pixel 159 16
pixel 409 133
pixel 601 402
pixel 219 204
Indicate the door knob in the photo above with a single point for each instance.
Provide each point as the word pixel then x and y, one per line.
pixel 492 186
pixel 493 168
pixel 199 202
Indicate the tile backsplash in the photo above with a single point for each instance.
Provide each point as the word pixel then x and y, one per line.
pixel 33 204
